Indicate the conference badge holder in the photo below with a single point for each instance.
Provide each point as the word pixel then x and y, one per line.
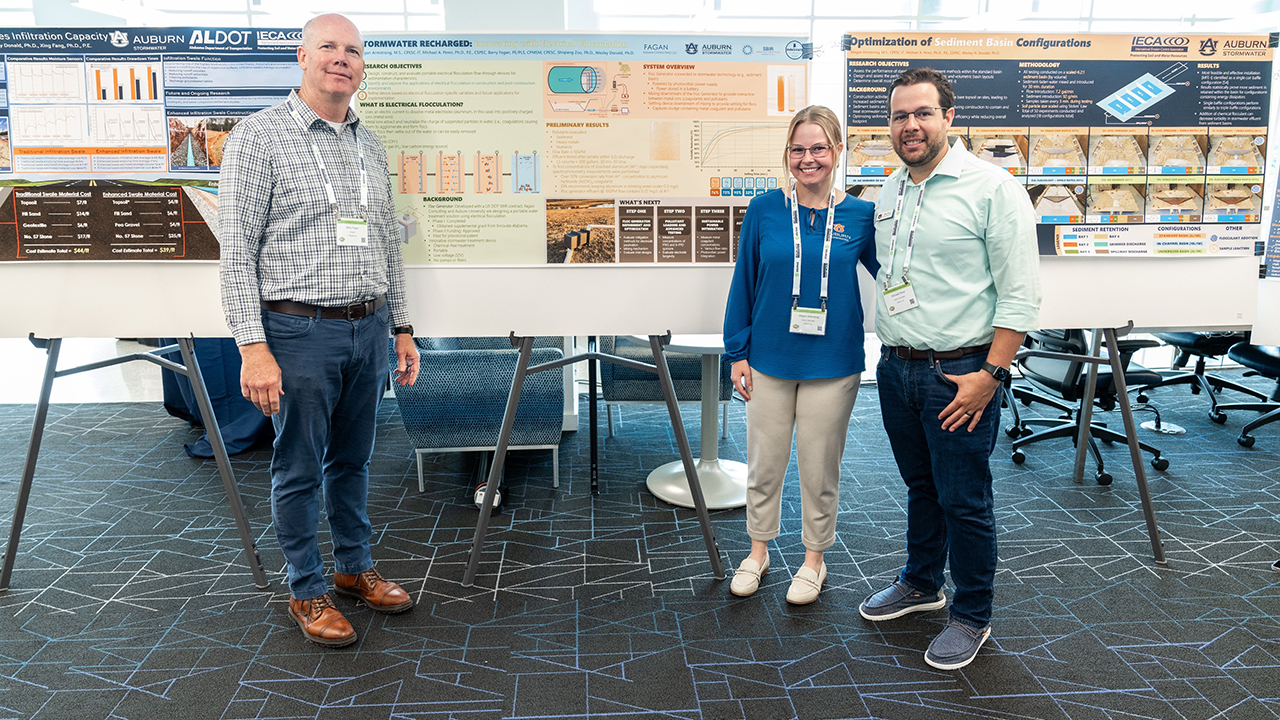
pixel 809 321
pixel 900 299
pixel 353 232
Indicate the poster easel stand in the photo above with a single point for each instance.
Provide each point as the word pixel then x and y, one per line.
pixel 1094 359
pixel 659 366
pixel 191 370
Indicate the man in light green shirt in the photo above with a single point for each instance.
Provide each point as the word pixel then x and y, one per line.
pixel 958 289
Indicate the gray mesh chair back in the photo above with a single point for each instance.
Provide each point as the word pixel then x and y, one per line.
pixel 458 401
pixel 626 386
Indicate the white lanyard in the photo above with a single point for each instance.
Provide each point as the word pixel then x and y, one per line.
pixel 324 171
pixel 826 245
pixel 911 234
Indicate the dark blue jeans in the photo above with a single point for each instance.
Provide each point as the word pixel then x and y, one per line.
pixel 948 475
pixel 332 374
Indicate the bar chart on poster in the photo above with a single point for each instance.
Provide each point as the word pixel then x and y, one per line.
pixel 580 149
pixel 111 138
pixel 1127 144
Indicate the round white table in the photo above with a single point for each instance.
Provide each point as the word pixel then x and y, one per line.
pixel 724 482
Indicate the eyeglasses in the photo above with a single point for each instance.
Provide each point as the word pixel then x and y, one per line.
pixel 818 151
pixel 922 115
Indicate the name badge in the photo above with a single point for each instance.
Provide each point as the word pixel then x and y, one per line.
pixel 900 299
pixel 353 232
pixel 808 321
pixel 884 215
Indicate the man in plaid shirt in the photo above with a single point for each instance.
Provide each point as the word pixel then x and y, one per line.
pixel 312 281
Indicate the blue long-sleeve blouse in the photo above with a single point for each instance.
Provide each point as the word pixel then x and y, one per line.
pixel 759 308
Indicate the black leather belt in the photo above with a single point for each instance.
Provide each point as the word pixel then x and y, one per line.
pixel 909 353
pixel 354 311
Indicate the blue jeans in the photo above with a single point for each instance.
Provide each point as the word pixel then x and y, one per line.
pixel 332 374
pixel 948 476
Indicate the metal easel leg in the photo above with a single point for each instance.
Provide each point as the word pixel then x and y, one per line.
pixel 499 457
pixel 29 467
pixel 187 347
pixel 1135 453
pixel 682 440
pixel 591 405
pixel 1085 416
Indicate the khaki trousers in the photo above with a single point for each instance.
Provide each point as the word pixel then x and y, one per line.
pixel 818 411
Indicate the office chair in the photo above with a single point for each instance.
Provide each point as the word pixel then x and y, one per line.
pixel 458 402
pixel 1201 345
pixel 1261 360
pixel 1065 379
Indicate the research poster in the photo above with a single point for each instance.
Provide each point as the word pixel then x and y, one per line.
pixel 580 149
pixel 111 138
pixel 1138 144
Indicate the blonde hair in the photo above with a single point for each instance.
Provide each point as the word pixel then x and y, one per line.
pixel 821 116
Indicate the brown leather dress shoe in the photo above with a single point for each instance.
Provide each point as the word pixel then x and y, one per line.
pixel 321 622
pixel 380 594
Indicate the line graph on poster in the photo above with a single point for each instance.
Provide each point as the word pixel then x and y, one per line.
pixel 724 144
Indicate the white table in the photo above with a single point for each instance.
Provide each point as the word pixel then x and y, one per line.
pixel 724 482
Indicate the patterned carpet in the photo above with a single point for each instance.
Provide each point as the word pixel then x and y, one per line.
pixel 131 598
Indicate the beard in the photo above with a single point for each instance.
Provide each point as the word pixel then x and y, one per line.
pixel 932 148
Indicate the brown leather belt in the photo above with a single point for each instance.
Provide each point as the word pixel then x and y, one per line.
pixel 914 354
pixel 354 311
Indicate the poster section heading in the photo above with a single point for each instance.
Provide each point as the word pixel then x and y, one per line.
pixel 111 138
pixel 1140 144
pixel 580 149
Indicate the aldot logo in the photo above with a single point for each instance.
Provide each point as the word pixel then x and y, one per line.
pixel 219 37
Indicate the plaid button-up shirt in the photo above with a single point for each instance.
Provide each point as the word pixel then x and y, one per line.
pixel 278 231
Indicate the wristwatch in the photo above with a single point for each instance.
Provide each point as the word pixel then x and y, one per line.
pixel 997 372
pixel 408 330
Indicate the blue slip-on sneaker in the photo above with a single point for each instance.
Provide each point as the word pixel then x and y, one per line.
pixel 900 599
pixel 956 645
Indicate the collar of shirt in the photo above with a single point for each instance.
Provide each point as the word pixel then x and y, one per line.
pixel 951 165
pixel 311 117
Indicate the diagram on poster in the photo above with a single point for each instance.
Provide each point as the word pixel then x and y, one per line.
pixel 1127 144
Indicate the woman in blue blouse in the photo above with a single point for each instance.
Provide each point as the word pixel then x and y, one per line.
pixel 796 341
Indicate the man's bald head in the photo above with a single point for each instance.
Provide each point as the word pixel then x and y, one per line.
pixel 312 30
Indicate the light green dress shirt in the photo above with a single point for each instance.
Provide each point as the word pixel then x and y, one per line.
pixel 976 263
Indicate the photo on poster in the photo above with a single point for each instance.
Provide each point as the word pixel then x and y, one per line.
pixel 6 153
pixel 1058 153
pixel 1004 150
pixel 1177 154
pixel 1233 202
pixel 871 153
pixel 581 231
pixel 187 143
pixel 1171 202
pixel 1058 203
pixel 215 137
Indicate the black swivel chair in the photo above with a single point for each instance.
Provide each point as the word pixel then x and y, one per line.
pixel 1066 379
pixel 1261 360
pixel 1201 345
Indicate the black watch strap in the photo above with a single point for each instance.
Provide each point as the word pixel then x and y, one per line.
pixel 403 330
pixel 997 372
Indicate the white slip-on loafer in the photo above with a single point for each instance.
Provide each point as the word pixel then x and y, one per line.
pixel 747 578
pixel 806 585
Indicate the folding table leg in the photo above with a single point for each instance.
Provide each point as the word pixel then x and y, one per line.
pixel 682 441
pixel 499 458
pixel 187 347
pixel 1135 453
pixel 29 468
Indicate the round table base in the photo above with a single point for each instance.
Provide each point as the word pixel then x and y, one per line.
pixel 724 484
